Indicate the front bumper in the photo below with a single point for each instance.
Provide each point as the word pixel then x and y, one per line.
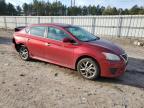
pixel 112 69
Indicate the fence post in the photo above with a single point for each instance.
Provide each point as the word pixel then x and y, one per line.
pixel 119 27
pixel 38 20
pixel 15 22
pixel 5 22
pixel 25 20
pixel 93 25
pixel 72 20
pixel 51 19
pixel 129 26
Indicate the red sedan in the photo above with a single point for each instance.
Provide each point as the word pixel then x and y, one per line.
pixel 71 46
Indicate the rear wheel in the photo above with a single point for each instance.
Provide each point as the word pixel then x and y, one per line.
pixel 24 53
pixel 88 68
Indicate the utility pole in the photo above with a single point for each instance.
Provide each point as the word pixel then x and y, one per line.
pixel 73 3
pixel 56 7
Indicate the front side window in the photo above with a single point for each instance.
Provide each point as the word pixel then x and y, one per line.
pixel 37 31
pixel 56 34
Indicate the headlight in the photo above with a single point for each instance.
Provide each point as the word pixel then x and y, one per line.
pixel 112 57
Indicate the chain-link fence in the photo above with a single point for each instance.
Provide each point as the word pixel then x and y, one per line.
pixel 120 25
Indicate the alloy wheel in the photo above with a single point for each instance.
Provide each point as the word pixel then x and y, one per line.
pixel 23 53
pixel 88 68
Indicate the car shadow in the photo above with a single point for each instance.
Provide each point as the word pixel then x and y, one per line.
pixel 134 75
pixel 5 40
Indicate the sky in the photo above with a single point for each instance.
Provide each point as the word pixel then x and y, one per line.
pixel 117 3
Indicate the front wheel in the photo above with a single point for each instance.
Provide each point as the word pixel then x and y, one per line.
pixel 24 53
pixel 88 68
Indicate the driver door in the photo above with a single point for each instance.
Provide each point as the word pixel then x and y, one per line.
pixel 57 51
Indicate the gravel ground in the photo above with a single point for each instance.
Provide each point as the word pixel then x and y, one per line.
pixel 36 84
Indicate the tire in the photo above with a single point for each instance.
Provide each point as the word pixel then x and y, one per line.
pixel 24 53
pixel 88 68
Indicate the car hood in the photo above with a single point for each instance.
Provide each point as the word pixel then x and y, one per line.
pixel 107 45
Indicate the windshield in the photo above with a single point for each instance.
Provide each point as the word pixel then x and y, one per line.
pixel 81 34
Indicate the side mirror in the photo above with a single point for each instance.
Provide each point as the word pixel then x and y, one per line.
pixel 68 40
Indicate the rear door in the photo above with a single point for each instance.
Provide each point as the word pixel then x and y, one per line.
pixel 36 41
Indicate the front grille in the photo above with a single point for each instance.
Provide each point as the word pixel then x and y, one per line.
pixel 125 57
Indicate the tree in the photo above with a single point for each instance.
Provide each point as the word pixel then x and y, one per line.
pixel 25 8
pixel 48 8
pixel 93 10
pixel 114 11
pixel 134 10
pixel 89 10
pixel 101 10
pixel 110 11
pixel 18 9
pixel 141 10
pixel 3 7
pixel 98 10
pixel 84 10
pixel 42 8
pixel 126 12
pixel 11 9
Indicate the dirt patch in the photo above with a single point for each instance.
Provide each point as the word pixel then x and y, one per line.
pixel 36 84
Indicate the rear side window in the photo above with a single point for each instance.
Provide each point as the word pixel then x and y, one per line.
pixel 37 31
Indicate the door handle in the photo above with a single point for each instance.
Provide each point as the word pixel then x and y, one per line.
pixel 47 44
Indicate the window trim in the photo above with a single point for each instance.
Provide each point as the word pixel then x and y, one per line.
pixel 46 33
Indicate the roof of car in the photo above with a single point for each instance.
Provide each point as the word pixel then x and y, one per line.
pixel 55 24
